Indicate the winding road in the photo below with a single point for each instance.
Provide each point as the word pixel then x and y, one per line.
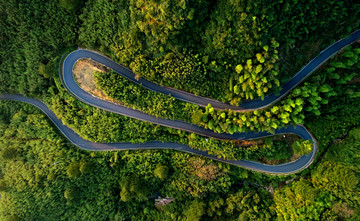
pixel 70 84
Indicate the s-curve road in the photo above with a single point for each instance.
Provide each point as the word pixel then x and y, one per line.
pixel 69 83
pixel 204 101
pixel 74 138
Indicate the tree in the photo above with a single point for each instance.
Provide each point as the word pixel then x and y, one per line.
pixel 69 4
pixel 302 147
pixel 70 194
pixel 215 207
pixel 9 153
pixel 297 201
pixel 245 204
pixel 196 117
pixel 2 185
pixel 42 70
pixel 332 175
pixel 12 218
pixel 73 169
pixel 194 211
pixel 161 171
pixel 133 188
pixel 125 195
pixel 85 167
pixel 355 133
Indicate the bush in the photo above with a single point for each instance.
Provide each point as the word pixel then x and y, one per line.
pixel 69 4
pixel 70 194
pixel 85 167
pixel 194 211
pixel 2 185
pixel 133 187
pixel 73 170
pixel 355 133
pixel 161 172
pixel 9 153
pixel 302 147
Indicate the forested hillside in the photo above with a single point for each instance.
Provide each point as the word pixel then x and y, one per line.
pixel 33 33
pixel 202 46
pixel 229 50
pixel 45 178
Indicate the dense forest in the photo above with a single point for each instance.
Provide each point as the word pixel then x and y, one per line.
pixel 43 177
pixel 306 99
pixel 230 50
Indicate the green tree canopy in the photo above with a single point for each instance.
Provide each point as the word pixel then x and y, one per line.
pixel 73 169
pixel 194 211
pixel 161 171
pixel 69 4
pixel 302 147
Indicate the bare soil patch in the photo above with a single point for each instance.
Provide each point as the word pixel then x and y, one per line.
pixel 84 70
pixel 203 170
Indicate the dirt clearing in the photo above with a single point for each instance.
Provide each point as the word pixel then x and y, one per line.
pixel 84 70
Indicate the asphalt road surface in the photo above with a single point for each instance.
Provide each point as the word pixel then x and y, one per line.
pixel 70 84
pixel 203 101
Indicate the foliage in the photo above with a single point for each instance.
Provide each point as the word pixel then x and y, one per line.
pixel 137 97
pixel 9 153
pixel 32 34
pixel 275 149
pixel 333 176
pixel 37 179
pixel 208 48
pixel 299 201
pixel 256 77
pixel 85 167
pixel 303 147
pixel 355 133
pixel 305 99
pixel 69 4
pixel 161 171
pixel 245 205
pixel 73 170
pixel 194 211
pixel 132 187
pixel 70 195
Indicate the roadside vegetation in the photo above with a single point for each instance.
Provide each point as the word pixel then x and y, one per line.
pixel 40 171
pixel 306 99
pixel 230 50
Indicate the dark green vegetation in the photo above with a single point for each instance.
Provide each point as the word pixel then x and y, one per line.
pixel 331 191
pixel 137 97
pixel 33 33
pixel 45 178
pixel 40 171
pixel 229 50
pixel 306 99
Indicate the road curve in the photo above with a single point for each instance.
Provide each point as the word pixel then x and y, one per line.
pixel 71 85
pixel 204 101
pixel 74 138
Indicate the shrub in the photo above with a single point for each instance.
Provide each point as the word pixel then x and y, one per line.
pixel 302 147
pixel 73 170
pixel 161 172
pixel 355 133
